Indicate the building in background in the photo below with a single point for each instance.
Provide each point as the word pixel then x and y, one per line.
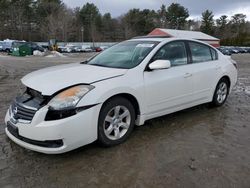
pixel 186 34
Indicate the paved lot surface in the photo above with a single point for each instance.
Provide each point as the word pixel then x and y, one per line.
pixel 198 147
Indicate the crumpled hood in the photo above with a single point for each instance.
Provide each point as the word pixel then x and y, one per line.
pixel 52 79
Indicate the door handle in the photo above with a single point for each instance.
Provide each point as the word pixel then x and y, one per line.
pixel 187 75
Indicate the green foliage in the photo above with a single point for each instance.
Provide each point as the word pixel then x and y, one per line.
pixel 207 22
pixel 41 20
pixel 222 22
pixel 90 19
pixel 162 16
pixel 106 27
pixel 45 8
pixel 238 19
pixel 176 16
pixel 236 31
pixel 140 22
pixel 89 13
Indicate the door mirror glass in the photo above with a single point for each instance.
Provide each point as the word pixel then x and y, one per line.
pixel 160 64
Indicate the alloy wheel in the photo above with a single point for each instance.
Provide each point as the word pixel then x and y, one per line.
pixel 222 92
pixel 117 122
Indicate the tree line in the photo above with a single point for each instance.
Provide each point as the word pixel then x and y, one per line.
pixel 41 20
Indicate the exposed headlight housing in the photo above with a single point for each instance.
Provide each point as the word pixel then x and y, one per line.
pixel 70 97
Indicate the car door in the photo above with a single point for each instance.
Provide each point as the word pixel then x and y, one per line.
pixel 169 89
pixel 206 70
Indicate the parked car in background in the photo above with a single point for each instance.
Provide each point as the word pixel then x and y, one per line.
pixel 69 48
pixel 87 48
pixel 77 49
pixel 228 50
pixel 68 106
pixel 240 50
pixel 231 50
pixel 7 45
pixel 234 50
pixel 16 44
pixel 1 46
pixel 46 47
pixel 225 51
pixel 104 47
pixel 98 49
pixel 244 50
pixel 34 46
pixel 62 49
pixel 248 49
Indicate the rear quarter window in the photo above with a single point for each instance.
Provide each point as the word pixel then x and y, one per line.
pixel 214 54
pixel 200 52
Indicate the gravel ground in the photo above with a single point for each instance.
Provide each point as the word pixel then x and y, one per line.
pixel 197 147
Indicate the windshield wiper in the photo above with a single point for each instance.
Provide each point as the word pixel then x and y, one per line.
pixel 99 65
pixel 84 62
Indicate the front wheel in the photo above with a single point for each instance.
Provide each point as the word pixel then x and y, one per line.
pixel 221 93
pixel 116 121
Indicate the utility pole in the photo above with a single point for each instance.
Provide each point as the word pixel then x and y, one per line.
pixel 82 30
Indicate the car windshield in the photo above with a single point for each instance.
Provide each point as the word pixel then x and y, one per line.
pixel 124 55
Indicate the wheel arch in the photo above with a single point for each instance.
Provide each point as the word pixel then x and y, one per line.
pixel 214 102
pixel 228 80
pixel 129 97
pixel 215 86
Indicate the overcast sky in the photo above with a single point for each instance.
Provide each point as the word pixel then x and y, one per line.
pixel 195 7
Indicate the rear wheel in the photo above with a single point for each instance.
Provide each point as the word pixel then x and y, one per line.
pixel 221 92
pixel 116 121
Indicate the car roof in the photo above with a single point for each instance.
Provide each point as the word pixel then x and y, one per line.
pixel 165 39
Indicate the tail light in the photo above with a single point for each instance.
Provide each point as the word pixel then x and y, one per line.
pixel 233 62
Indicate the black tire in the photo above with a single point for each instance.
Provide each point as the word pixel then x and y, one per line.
pixel 216 102
pixel 106 109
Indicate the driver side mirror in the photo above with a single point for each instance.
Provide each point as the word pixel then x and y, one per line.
pixel 160 64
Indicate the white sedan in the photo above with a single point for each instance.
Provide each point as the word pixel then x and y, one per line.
pixel 68 106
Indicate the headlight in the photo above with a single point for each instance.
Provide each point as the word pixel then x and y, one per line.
pixel 69 97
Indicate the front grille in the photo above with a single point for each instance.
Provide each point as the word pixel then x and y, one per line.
pixel 46 143
pixel 25 106
pixel 21 112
